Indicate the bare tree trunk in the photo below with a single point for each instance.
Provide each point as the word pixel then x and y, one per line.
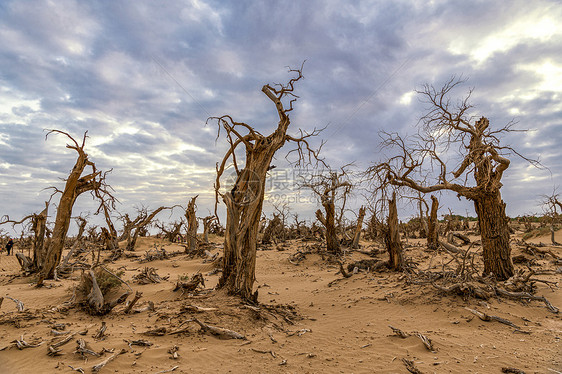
pixel 432 227
pixel 494 229
pixel 191 224
pixel 242 224
pixel 39 247
pixel 358 227
pixel 392 240
pixel 329 222
pixel 206 226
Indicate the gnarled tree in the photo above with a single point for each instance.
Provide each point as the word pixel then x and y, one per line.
pixel 244 199
pixel 482 159
pixel 76 184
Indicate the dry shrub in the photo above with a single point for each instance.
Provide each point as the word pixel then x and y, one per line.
pixel 106 282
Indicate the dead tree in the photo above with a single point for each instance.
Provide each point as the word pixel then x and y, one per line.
pixel 331 187
pixel 143 219
pixel 172 232
pixel 244 199
pixel 444 127
pixel 207 221
pixel 551 204
pixel 392 237
pixel 273 230
pixel 433 225
pixel 358 228
pixel 38 225
pixel 191 218
pixel 76 184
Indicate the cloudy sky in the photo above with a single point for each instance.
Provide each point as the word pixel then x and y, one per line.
pixel 142 77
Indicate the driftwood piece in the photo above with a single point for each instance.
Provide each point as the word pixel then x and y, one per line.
pixel 83 350
pixel 465 240
pixel 19 305
pixel 220 332
pixel 136 298
pixel 512 370
pixel 139 342
pixel 343 272
pixel 95 297
pixel 488 318
pixel 528 296
pixel 148 275
pixel 150 308
pixel 167 370
pixel 174 352
pixel 195 309
pixel 99 366
pixel 80 370
pixel 426 342
pixel 100 334
pixel 450 248
pixel 411 367
pixel 22 344
pixel 190 286
pixel 62 342
pixel 465 288
pixel 160 331
pixel 399 332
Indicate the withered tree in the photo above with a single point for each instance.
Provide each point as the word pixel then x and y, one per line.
pixel 332 188
pixel 76 184
pixel 244 199
pixel 551 205
pixel 207 221
pixel 142 220
pixel 358 228
pixel 477 176
pixel 392 237
pixel 433 225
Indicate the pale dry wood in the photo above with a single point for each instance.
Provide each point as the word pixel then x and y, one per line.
pixel 399 332
pixel 220 332
pixel 19 305
pixel 136 298
pixel 488 318
pixel 100 365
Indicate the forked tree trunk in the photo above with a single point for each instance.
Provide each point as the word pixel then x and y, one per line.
pixel 392 237
pixel 432 226
pixel 358 227
pixel 494 229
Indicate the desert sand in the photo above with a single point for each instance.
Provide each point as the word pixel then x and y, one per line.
pixel 310 320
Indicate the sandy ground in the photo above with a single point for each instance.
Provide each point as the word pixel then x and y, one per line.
pixel 342 328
